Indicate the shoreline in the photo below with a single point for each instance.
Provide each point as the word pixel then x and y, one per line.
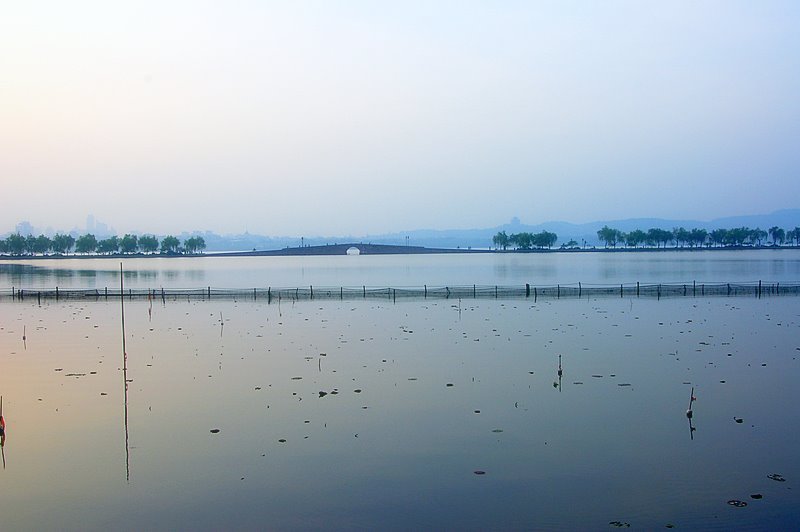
pixel 384 249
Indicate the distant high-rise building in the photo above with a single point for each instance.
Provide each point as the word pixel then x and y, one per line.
pixel 101 229
pixel 98 228
pixel 25 228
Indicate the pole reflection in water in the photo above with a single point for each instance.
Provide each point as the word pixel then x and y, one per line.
pixel 124 375
pixel 557 384
pixel 2 433
pixel 690 414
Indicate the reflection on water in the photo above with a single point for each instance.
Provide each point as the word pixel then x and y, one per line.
pixel 125 418
pixel 559 376
pixel 690 414
pixel 22 274
pixel 125 372
pixel 2 433
pixel 409 270
pixel 371 415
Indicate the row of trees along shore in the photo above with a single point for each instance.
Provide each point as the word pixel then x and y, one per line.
pixel 681 237
pixel 63 244
pixel 658 238
pixel 541 240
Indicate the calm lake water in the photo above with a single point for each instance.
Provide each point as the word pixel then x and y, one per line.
pixel 417 415
pixel 409 270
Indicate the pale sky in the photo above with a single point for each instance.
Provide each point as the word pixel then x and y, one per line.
pixel 359 117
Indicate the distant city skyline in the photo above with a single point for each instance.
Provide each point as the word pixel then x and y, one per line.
pixel 314 117
pixel 92 225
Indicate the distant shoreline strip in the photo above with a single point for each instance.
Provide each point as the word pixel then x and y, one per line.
pixel 384 249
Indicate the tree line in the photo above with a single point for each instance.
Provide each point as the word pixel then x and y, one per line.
pixel 658 238
pixel 525 241
pixel 63 244
pixel 681 237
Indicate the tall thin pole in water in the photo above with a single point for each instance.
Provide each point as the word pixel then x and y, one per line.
pixel 124 373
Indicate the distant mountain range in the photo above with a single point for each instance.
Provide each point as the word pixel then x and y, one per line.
pixel 482 238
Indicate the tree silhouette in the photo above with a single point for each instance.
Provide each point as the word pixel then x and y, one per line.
pixel 16 244
pixel 62 243
pixel 793 235
pixel 108 245
pixel 697 237
pixel 635 237
pixel 86 244
pixel 170 244
pixel 758 235
pixel 501 240
pixel 148 243
pixel 778 235
pixel 609 236
pixel 194 244
pixel 129 243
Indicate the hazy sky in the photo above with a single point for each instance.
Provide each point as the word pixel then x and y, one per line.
pixel 348 117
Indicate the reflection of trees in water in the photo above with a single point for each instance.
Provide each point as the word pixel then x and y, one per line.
pixel 31 275
pixel 141 274
pixel 17 272
pixel 520 269
pixel 20 274
pixel 195 275
pixel 17 269
pixel 28 275
pixel 172 275
pixel 149 276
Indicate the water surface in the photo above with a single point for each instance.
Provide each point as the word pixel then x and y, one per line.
pixel 417 398
pixel 704 266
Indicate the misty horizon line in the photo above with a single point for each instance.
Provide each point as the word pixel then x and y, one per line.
pixel 24 228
